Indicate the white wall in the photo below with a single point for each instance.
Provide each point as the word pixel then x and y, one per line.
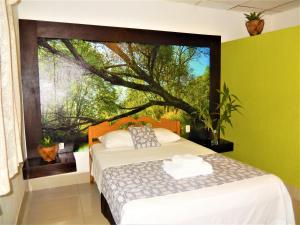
pixel 11 203
pixel 286 19
pixel 153 15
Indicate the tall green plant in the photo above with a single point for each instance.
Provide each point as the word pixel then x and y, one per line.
pixel 218 121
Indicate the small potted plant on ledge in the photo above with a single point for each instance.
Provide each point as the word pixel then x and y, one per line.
pixel 47 149
pixel 217 122
pixel 255 23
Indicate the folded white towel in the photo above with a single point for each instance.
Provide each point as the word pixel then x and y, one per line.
pixel 178 169
pixel 187 159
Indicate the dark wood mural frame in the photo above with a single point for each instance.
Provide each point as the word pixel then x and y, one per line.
pixel 31 30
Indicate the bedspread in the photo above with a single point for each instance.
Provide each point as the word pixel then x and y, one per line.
pixel 261 199
pixel 148 179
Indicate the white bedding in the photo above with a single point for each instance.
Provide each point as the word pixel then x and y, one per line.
pixel 259 200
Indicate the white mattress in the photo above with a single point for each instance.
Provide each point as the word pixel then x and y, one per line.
pixel 259 200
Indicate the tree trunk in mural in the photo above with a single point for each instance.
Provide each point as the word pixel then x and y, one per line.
pixel 157 75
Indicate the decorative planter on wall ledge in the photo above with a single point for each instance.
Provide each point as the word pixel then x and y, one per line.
pixel 48 154
pixel 255 27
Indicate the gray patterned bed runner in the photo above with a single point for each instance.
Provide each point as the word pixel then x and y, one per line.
pixel 148 179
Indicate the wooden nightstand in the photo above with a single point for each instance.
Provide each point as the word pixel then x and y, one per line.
pixel 37 167
pixel 223 146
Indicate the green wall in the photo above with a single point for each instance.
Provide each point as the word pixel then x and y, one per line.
pixel 263 71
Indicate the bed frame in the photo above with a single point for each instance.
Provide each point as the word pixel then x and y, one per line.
pixel 100 129
pixel 105 210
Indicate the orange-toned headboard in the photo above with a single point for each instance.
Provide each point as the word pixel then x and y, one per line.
pixel 102 128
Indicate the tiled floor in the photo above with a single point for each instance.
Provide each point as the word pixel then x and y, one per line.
pixel 75 204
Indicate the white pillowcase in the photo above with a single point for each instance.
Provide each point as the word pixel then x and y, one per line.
pixel 117 138
pixel 122 138
pixel 164 135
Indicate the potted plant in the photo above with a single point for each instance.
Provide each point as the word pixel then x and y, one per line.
pixel 255 23
pixel 198 130
pixel 47 149
pixel 216 122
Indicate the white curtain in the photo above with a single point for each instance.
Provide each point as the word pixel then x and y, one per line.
pixel 10 97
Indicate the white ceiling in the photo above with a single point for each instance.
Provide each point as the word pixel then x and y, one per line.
pixel 265 6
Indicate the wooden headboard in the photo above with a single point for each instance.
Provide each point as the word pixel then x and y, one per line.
pixel 102 128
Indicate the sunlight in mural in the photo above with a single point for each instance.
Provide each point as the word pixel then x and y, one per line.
pixel 84 83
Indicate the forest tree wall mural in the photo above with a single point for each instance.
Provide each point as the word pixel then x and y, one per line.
pixel 92 82
pixel 85 81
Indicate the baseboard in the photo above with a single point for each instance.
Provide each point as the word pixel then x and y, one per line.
pixel 58 181
pixel 294 191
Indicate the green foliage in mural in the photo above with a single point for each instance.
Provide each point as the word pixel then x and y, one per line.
pixel 84 83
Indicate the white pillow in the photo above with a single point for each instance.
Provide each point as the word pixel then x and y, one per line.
pixel 165 136
pixel 117 138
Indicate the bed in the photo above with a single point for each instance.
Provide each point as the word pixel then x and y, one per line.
pixel 134 190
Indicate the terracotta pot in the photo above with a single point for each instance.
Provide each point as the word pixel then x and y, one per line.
pixel 255 27
pixel 48 153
